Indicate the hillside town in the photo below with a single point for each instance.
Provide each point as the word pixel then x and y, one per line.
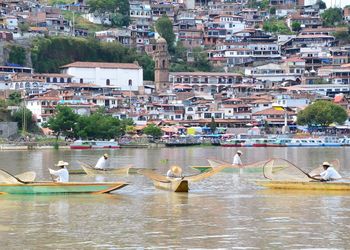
pixel 261 55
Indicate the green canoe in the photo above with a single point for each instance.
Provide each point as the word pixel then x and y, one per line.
pixel 61 188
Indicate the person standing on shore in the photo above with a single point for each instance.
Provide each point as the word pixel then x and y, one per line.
pixel 62 175
pixel 102 163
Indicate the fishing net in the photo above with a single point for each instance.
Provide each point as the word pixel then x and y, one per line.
pixel 26 176
pixel 283 170
pixel 199 177
pixel 217 163
pixel 7 178
pixel 153 175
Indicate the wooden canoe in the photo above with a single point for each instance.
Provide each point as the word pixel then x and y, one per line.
pixel 172 184
pixel 165 183
pixel 176 184
pixel 61 188
pixel 89 170
pixel 304 185
pixel 255 167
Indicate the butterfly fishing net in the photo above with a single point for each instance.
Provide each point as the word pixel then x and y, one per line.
pixel 283 170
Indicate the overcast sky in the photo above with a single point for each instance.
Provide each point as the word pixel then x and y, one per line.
pixel 339 3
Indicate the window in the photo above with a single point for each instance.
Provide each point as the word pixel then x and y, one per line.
pixel 81 80
pixel 54 79
pixel 61 80
pixel 177 116
pixel 207 115
pixel 108 82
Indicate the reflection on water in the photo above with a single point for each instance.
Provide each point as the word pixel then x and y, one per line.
pixel 227 210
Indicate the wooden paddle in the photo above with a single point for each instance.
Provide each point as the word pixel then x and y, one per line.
pixel 11 179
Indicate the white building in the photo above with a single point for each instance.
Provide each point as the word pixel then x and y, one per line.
pixel 124 76
pixel 11 22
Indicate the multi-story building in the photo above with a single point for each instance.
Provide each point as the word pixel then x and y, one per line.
pixel 210 82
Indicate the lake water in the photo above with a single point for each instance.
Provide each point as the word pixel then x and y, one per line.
pixel 225 211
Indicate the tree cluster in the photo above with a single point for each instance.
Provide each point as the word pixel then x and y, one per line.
pixel 49 54
pixel 164 27
pixel 116 10
pixel 99 125
pixel 17 55
pixel 276 26
pixel 199 62
pixel 322 113
pixel 332 16
pixel 153 131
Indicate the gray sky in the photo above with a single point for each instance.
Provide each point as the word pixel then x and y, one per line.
pixel 338 3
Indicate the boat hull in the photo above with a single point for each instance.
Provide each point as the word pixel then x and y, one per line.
pixel 228 169
pixel 326 186
pixel 181 144
pixel 61 188
pixel 80 147
pixel 93 171
pixel 172 185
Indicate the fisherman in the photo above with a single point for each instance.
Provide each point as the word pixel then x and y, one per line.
pixel 237 158
pixel 329 173
pixel 102 163
pixel 174 172
pixel 62 174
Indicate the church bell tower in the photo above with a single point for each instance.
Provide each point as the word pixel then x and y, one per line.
pixel 161 70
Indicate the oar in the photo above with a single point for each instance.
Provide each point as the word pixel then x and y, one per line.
pixel 11 179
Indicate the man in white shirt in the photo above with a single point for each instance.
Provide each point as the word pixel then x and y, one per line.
pixel 62 175
pixel 102 163
pixel 330 174
pixel 237 158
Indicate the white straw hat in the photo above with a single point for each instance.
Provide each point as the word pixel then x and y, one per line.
pixel 239 152
pixel 326 163
pixel 61 163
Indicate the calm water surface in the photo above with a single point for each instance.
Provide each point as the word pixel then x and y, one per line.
pixel 225 211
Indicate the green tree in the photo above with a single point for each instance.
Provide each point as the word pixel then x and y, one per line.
pixel 63 122
pixel 49 54
pixel 23 27
pixel 342 36
pixel 276 26
pixel 100 125
pixel 17 55
pixel 273 11
pixel 116 10
pixel 296 26
pixel 332 16
pixel 201 61
pixel 153 130
pixel 164 27
pixel 213 125
pixel 180 52
pixel 130 129
pixel 322 5
pixel 322 113
pixel 14 99
pixel 24 114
